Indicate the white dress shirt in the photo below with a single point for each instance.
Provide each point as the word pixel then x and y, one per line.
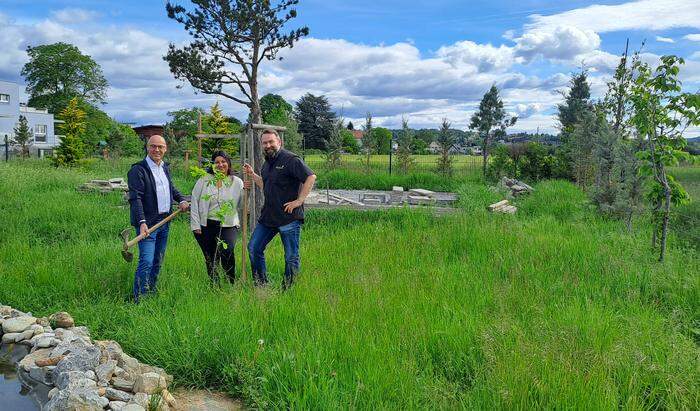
pixel 162 185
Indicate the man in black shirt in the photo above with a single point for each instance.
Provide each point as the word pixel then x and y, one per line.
pixel 286 181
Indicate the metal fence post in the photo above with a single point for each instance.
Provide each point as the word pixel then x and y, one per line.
pixel 390 150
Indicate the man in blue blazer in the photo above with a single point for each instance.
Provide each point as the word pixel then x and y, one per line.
pixel 151 196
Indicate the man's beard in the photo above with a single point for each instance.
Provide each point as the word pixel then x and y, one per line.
pixel 271 153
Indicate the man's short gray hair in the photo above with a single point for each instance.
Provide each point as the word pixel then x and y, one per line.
pixel 270 131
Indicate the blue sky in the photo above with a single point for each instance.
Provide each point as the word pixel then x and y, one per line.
pixel 421 59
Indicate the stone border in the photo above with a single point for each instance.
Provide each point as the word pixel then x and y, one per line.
pixel 85 374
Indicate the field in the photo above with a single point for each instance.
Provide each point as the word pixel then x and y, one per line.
pixel 463 164
pixel 552 308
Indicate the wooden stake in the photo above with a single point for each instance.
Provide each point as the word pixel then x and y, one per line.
pixel 244 233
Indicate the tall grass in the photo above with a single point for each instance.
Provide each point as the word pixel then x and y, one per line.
pixel 550 308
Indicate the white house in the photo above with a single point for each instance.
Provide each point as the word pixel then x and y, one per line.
pixel 41 122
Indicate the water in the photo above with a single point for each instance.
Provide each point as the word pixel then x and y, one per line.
pixel 17 393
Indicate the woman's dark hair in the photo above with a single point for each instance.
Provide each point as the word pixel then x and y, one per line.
pixel 220 153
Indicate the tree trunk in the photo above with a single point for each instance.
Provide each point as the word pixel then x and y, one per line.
pixel 667 213
pixel 484 154
pixel 256 118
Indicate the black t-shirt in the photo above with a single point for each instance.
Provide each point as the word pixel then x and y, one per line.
pixel 282 177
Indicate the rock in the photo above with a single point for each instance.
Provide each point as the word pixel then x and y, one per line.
pixel 25 335
pixel 149 383
pixel 41 374
pixel 48 361
pixel 117 395
pixel 38 329
pixel 10 338
pixel 105 371
pixel 117 405
pixel 5 310
pixel 123 384
pixel 111 350
pixel 421 192
pixel 141 398
pixel 17 324
pixel 30 359
pixel 68 345
pixel 73 379
pixel 496 206
pixel 53 392
pixel 79 399
pixel 46 342
pixel 44 322
pixel 133 407
pixel 397 189
pixel 80 359
pixel 144 368
pixel 91 375
pixel 168 397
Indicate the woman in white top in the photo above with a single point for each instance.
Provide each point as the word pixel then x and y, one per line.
pixel 214 215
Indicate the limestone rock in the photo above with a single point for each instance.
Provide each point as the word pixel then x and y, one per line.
pixel 122 384
pixel 105 371
pixel 80 359
pixel 117 405
pixel 53 392
pixel 91 375
pixel 10 338
pixel 168 397
pixel 30 359
pixel 117 395
pixel 49 361
pixel 141 398
pixel 133 407
pixel 149 383
pixel 17 324
pixel 25 335
pixel 80 399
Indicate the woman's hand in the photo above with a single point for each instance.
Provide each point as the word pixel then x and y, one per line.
pixel 197 231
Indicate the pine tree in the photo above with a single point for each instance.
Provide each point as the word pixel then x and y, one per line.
pixel 490 122
pixel 23 136
pixel 219 124
pixel 71 149
pixel 446 140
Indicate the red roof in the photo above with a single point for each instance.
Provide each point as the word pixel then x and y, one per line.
pixel 357 134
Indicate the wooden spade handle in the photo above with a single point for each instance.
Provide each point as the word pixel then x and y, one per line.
pixel 244 233
pixel 152 229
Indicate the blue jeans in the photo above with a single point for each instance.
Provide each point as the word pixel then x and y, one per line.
pixel 151 253
pixel 290 235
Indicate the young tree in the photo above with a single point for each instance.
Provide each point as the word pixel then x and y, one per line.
pixel 219 124
pixel 56 73
pixel 490 122
pixel 71 148
pixel 334 146
pixel 316 120
pixel 662 112
pixel 403 153
pixel 368 142
pixel 230 42
pixel 23 137
pixel 446 139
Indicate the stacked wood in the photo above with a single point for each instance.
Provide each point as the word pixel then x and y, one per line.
pixel 503 206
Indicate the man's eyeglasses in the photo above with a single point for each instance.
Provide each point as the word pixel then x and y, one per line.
pixel 157 147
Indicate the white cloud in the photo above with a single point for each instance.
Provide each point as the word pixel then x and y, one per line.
pixel 665 39
pixel 74 15
pixel 635 15
pixel 560 42
pixel 692 37
pixel 484 57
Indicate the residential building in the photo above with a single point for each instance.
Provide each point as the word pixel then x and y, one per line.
pixel 41 122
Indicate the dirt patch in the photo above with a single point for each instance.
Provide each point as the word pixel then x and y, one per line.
pixel 202 400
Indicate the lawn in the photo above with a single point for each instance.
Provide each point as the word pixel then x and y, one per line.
pixel 551 308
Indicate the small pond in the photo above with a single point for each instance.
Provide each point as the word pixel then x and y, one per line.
pixel 18 393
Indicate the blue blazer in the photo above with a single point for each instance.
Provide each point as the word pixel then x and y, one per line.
pixel 142 193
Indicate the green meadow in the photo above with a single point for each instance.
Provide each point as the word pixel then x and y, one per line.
pixel 554 307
